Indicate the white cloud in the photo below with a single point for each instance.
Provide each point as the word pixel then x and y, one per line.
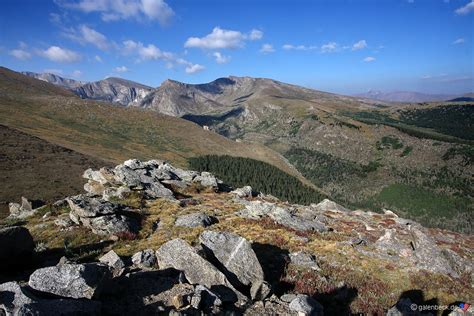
pixel 459 41
pixel 192 69
pixel 369 59
pixel 98 58
pixel 466 9
pixel 61 55
pixel 151 52
pixel 20 54
pixel 329 47
pixel 87 35
pixel 76 73
pixel 267 49
pixel 298 47
pixel 221 59
pixel 359 45
pixel 255 35
pixel 121 69
pixel 221 39
pixel 114 10
pixel 217 39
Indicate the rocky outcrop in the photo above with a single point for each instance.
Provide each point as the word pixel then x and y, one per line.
pixel 303 259
pixel 70 280
pixel 179 255
pixel 145 258
pixel 328 205
pixel 243 192
pixel 235 254
pixel 115 263
pixel 101 216
pixel 23 210
pixel 286 216
pixel 16 247
pixel 195 220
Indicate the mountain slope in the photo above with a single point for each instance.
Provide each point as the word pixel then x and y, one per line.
pixel 114 90
pixel 112 133
pixel 55 79
pixel 403 96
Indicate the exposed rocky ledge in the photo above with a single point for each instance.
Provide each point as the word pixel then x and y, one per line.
pixel 200 263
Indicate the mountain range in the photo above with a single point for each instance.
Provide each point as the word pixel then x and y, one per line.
pixel 361 152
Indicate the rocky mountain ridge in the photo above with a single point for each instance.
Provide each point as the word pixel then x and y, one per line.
pixel 405 96
pixel 175 241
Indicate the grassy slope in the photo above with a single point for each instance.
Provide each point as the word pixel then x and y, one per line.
pixel 36 169
pixel 112 133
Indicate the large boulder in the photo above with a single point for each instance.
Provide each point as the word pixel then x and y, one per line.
pixel 178 254
pixel 16 247
pixel 23 210
pixel 195 220
pixel 242 192
pixel 328 205
pixel 235 254
pixel 101 216
pixel 113 260
pixel 12 297
pixel 145 258
pixel 70 280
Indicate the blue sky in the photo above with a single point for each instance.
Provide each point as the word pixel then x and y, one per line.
pixel 340 46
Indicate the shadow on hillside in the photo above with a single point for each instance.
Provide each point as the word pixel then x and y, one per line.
pixel 273 261
pixel 338 301
pixel 417 304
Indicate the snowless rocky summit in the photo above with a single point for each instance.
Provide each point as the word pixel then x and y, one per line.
pixel 220 271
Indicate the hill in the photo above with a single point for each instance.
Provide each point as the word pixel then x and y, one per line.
pixel 111 133
pixel 403 96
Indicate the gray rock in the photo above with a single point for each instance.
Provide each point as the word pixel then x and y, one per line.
pixel 204 299
pixel 127 176
pixel 207 180
pixel 245 191
pixel 63 221
pixel 61 307
pixel 260 290
pixel 26 205
pixel 115 192
pixel 134 164
pixel 145 258
pixel 23 210
pixel 157 190
pixel 328 205
pixel 285 218
pixel 113 261
pixel 306 305
pixel 14 209
pixel 235 254
pixel 185 175
pixel 95 175
pixel 288 297
pixel 110 224
pixel 16 247
pixel 303 259
pixel 13 296
pixel 178 254
pixel 94 188
pixel 85 206
pixel 195 220
pixel 70 280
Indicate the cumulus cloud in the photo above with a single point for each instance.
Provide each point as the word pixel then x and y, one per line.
pixel 465 9
pixel 121 69
pixel 255 35
pixel 151 52
pixel 459 41
pixel 221 39
pixel 217 39
pixel 20 54
pixel 267 49
pixel 369 59
pixel 359 45
pixel 192 69
pixel 298 47
pixel 114 10
pixel 87 35
pixel 220 58
pixel 329 47
pixel 61 55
